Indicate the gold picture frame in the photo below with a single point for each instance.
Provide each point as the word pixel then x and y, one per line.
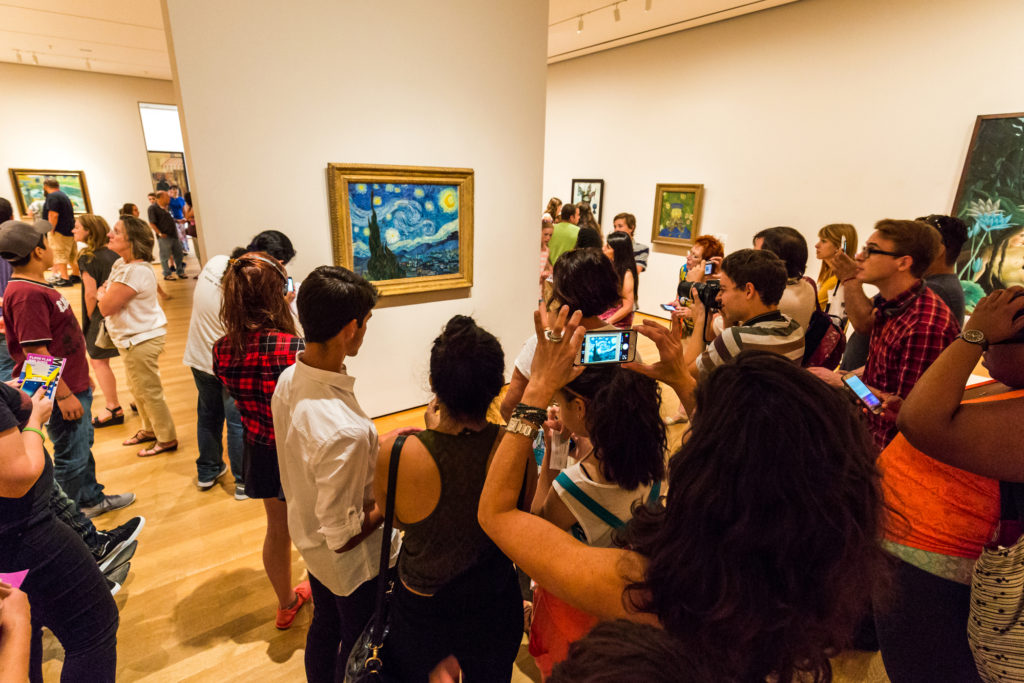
pixel 422 238
pixel 28 187
pixel 677 212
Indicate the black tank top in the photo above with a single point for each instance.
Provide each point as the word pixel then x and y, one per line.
pixel 18 514
pixel 450 541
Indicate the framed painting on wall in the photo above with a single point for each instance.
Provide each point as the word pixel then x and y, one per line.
pixel 677 213
pixel 990 199
pixel 591 192
pixel 28 188
pixel 167 169
pixel 404 228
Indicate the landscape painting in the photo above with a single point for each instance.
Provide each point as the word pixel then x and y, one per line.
pixel 677 214
pixel 990 199
pixel 406 229
pixel 28 186
pixel 589 192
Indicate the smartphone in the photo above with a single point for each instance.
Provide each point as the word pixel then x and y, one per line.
pixel 31 386
pixel 290 286
pixel 605 347
pixel 709 268
pixel 842 245
pixel 863 394
pixel 669 307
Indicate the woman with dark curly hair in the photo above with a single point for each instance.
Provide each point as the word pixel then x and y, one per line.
pixel 765 553
pixel 620 462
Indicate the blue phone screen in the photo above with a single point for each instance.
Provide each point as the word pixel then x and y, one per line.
pixel 862 391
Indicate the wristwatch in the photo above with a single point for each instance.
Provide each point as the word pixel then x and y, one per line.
pixel 522 427
pixel 975 337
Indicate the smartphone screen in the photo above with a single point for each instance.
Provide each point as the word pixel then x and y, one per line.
pixel 858 387
pixel 31 386
pixel 290 287
pixel 611 346
pixel 670 308
pixel 709 268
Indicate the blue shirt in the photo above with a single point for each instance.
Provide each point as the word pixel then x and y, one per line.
pixel 177 208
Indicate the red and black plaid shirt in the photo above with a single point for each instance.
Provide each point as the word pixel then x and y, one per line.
pixel 252 377
pixel 909 333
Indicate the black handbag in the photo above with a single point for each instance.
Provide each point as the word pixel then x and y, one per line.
pixel 364 663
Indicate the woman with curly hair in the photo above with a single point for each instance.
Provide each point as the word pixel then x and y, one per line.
pixel 765 553
pixel 260 342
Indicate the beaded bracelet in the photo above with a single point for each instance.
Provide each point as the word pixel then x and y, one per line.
pixel 531 414
pixel 37 431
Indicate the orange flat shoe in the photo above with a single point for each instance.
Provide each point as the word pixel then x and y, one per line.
pixel 286 616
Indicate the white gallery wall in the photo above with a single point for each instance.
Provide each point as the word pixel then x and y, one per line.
pixel 270 97
pixel 816 112
pixel 73 120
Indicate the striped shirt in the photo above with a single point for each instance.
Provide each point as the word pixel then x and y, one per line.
pixel 772 332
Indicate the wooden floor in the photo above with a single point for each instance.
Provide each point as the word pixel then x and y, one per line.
pixel 197 605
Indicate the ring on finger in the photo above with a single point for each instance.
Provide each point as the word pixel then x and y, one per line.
pixel 552 337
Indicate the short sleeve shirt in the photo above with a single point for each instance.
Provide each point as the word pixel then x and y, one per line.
pixel 59 202
pixel 162 220
pixel 36 313
pixel 641 252
pixel 177 208
pixel 772 332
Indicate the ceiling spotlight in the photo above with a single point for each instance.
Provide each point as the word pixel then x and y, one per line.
pixel 618 15
pixel 647 5
pixel 34 58
pixel 579 25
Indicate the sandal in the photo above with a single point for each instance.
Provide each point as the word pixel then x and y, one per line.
pixel 116 418
pixel 140 437
pixel 158 448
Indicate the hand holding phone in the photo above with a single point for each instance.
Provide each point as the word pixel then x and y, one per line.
pixel 863 394
pixel 606 347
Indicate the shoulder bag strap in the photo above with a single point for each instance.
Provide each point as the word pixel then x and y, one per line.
pixel 570 486
pixel 385 543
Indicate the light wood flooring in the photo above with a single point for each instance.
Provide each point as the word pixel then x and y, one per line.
pixel 197 605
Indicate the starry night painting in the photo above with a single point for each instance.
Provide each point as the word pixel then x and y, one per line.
pixel 405 234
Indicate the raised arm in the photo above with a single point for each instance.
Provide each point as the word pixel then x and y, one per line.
pixel 858 306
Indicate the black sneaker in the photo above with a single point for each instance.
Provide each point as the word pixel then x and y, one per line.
pixel 115 540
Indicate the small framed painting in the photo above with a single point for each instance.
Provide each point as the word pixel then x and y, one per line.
pixel 404 228
pixel 28 189
pixel 677 213
pixel 591 192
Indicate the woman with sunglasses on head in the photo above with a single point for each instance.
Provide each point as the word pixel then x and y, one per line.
pixel 942 473
pixel 138 328
pixel 261 341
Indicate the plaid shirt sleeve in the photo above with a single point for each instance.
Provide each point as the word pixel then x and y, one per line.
pixel 933 332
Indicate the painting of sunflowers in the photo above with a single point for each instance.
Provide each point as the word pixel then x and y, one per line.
pixel 990 199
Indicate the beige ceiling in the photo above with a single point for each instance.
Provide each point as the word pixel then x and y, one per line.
pixel 127 36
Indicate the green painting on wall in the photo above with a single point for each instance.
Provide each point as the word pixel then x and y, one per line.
pixel 677 213
pixel 28 186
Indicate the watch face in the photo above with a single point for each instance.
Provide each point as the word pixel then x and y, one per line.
pixel 974 336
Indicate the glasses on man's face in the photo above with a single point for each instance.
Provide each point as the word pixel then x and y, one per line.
pixel 870 251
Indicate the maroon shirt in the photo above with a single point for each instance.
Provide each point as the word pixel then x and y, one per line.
pixel 909 333
pixel 36 313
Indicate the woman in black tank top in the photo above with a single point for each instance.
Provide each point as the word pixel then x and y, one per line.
pixel 457 594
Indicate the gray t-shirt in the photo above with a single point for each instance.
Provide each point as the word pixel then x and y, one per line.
pixel 947 286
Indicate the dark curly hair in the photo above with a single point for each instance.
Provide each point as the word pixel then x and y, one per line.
pixel 584 280
pixel 766 552
pixel 467 368
pixel 623 423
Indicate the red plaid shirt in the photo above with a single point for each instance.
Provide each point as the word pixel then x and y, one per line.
pixel 252 378
pixel 909 333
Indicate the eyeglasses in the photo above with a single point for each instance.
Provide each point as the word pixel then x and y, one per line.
pixel 871 251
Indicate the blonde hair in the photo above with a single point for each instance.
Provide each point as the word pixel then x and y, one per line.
pixel 834 233
pixel 96 230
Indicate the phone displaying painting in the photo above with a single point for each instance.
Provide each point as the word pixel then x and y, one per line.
pixel 990 199
pixel 590 192
pixel 404 228
pixel 677 213
pixel 167 169
pixel 28 189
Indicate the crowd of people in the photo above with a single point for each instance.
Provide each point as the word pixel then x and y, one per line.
pixel 794 521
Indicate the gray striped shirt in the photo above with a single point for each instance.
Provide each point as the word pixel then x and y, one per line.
pixel 772 332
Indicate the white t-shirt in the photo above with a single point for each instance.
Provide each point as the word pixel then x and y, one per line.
pixel 327 455
pixel 525 358
pixel 206 326
pixel 141 318
pixel 611 497
pixel 798 301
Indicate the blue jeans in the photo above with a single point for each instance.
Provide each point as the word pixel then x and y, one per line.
pixel 215 407
pixel 6 362
pixel 171 246
pixel 73 465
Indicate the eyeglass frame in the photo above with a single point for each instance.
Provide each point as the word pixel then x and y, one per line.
pixel 871 251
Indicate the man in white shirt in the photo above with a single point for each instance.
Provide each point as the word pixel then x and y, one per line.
pixel 327 450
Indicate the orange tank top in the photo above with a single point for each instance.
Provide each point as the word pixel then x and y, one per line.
pixel 938 508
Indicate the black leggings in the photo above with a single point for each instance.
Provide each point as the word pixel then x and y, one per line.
pixel 69 596
pixel 922 629
pixel 337 622
pixel 478 617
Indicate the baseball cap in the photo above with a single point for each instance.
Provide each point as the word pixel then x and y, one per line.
pixel 18 239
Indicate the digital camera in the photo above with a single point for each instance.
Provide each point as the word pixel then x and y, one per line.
pixel 707 292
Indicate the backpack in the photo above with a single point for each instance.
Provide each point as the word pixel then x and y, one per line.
pixel 824 340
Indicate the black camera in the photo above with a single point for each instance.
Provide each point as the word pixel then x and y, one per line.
pixel 707 292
